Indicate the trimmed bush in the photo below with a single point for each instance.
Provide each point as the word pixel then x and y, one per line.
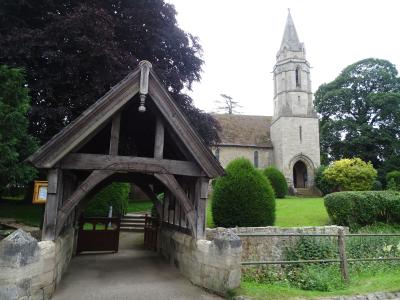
pixel 277 181
pixel 377 186
pixel 351 174
pixel 363 208
pixel 393 180
pixel 322 183
pixel 244 197
pixel 116 195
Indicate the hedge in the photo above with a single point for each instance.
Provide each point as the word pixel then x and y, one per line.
pixel 243 197
pixel 363 208
pixel 116 195
pixel 278 181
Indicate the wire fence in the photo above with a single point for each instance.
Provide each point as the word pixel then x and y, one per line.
pixel 345 248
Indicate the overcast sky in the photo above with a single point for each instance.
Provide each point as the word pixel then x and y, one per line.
pixel 240 39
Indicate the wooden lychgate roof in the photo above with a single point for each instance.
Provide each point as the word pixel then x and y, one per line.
pixel 92 120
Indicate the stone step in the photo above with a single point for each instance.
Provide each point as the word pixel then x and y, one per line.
pixel 130 224
pixel 136 215
pixel 305 192
pixel 133 218
pixel 132 229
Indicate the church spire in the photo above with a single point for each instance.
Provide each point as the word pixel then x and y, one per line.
pixel 290 38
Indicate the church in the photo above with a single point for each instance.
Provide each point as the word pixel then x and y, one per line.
pixel 288 140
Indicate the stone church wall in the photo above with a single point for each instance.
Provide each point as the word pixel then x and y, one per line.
pixel 229 153
pixel 289 143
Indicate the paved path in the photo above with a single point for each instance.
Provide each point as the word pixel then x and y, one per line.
pixel 132 273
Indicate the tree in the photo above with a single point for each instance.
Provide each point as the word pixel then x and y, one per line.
pixel 244 197
pixel 360 114
pixel 15 143
pixel 350 175
pixel 74 51
pixel 393 180
pixel 227 105
pixel 322 183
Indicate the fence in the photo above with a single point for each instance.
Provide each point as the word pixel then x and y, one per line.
pixel 341 244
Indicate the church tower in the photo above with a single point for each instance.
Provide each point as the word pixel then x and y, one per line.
pixel 294 129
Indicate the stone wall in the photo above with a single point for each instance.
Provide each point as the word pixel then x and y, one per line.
pixel 30 269
pixel 214 265
pixel 262 248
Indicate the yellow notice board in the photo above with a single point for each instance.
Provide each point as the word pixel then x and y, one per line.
pixel 40 192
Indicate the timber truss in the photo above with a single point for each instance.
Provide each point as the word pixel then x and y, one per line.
pixel 134 133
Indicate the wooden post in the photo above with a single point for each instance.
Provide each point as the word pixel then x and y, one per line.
pixel 159 140
pixel 201 193
pixel 54 200
pixel 342 254
pixel 114 138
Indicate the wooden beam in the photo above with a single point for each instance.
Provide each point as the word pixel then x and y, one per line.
pixel 159 140
pixel 84 188
pixel 54 200
pixel 175 188
pixel 166 105
pixel 201 193
pixel 80 161
pixel 114 137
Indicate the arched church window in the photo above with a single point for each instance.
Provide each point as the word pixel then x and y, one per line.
pixel 217 154
pixel 256 159
pixel 298 74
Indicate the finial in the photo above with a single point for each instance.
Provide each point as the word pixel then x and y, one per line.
pixel 145 67
pixel 288 10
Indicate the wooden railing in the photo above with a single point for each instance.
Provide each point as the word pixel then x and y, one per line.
pixel 341 244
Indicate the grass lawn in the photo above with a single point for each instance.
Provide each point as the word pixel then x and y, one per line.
pixel 362 283
pixel 140 206
pixel 296 211
pixel 28 214
pixel 293 211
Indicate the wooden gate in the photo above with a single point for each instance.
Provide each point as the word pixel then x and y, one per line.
pixel 98 234
pixel 150 233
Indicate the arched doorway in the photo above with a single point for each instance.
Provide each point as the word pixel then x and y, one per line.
pixel 300 176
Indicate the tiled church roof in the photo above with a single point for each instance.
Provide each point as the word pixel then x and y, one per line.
pixel 244 130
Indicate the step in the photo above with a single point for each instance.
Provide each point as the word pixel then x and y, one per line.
pixel 132 218
pixel 130 224
pixel 305 191
pixel 131 229
pixel 135 215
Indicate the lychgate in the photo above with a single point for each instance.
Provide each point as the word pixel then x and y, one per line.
pixel 134 133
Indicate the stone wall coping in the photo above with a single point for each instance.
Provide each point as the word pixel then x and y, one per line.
pixel 276 229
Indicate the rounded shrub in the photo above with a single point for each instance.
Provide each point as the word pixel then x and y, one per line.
pixel 393 180
pixel 363 208
pixel 377 185
pixel 322 183
pixel 351 174
pixel 116 195
pixel 277 181
pixel 243 197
